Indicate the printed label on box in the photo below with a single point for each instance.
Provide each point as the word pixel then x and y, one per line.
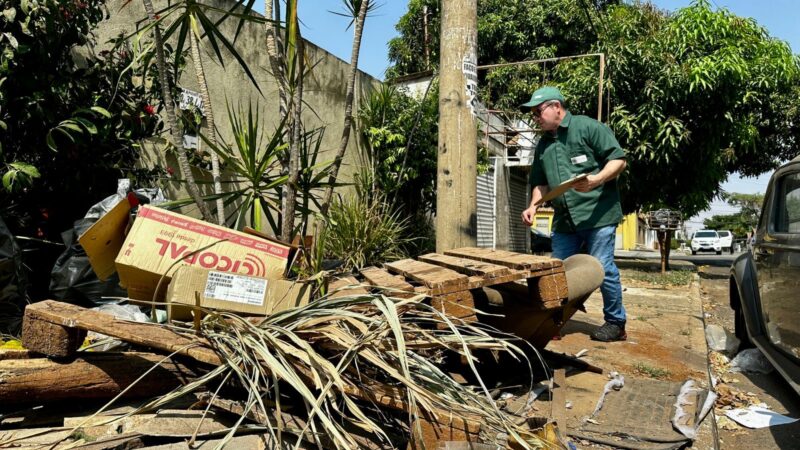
pixel 236 288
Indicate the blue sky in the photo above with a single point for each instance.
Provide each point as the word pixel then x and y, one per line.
pixel 329 31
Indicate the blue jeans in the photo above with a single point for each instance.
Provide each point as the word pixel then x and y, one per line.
pixel 600 243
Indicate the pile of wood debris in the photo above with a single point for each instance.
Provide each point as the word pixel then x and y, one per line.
pixel 357 371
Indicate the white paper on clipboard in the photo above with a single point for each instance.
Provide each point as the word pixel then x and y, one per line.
pixel 561 188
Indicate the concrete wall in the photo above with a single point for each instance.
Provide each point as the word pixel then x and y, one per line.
pixel 324 90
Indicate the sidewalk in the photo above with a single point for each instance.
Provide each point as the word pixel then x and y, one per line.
pixel 666 341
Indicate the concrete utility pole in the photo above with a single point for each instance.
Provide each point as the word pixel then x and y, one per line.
pixel 456 189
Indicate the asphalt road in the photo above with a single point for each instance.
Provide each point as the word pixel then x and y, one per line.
pixel 701 259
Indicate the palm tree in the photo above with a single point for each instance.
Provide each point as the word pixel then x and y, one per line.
pixel 362 6
pixel 169 108
pixel 209 116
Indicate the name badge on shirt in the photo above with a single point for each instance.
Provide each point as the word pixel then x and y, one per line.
pixel 579 159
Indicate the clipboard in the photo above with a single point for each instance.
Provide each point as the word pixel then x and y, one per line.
pixel 561 188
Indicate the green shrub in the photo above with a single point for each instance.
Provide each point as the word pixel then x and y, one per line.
pixel 363 230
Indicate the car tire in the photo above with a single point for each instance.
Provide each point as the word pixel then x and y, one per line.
pixel 719 252
pixel 740 328
pixel 694 252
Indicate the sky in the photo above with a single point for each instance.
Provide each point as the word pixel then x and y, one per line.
pixel 329 31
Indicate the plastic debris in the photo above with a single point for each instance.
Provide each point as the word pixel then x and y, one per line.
pixel 721 340
pixel 124 312
pixel 688 395
pixel 616 383
pixel 581 353
pixel 751 361
pixel 758 417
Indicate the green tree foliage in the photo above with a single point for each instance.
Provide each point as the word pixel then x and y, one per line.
pixel 742 222
pixel 693 96
pixel 400 133
pixel 70 119
pixel 696 96
pixel 507 31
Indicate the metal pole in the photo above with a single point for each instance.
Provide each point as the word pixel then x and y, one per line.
pixel 600 88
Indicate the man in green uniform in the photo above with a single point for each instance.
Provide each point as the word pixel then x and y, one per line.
pixel 589 213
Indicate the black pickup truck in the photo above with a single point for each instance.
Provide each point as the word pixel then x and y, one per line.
pixel 765 282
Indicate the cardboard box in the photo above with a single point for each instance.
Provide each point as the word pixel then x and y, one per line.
pixel 232 292
pixel 160 241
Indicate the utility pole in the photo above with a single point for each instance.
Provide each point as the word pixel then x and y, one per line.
pixel 456 188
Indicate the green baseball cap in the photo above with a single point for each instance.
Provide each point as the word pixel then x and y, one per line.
pixel 543 94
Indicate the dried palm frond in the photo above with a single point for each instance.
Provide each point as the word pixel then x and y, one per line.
pixel 336 356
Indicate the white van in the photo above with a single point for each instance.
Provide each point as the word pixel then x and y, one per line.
pixel 706 241
pixel 726 240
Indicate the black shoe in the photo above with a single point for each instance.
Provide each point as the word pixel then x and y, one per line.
pixel 610 332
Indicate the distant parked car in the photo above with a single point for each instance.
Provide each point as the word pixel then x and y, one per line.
pixel 706 241
pixel 726 240
pixel 765 282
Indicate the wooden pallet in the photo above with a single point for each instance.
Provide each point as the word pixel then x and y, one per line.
pixel 450 278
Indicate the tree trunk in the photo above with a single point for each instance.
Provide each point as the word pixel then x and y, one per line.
pixel 172 121
pixel 274 55
pixel 290 188
pixel 92 376
pixel 348 106
pixel 456 181
pixel 211 131
pixel 664 244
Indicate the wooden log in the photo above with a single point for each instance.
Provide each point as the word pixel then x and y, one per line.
pixel 92 376
pixel 48 338
pixel 40 319
pixel 395 286
pixel 429 275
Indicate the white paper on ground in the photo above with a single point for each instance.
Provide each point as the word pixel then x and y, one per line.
pixel 758 417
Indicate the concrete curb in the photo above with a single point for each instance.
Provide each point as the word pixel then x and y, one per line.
pixel 708 428
pixel 652 265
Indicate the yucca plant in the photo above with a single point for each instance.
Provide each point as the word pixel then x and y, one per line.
pixel 253 165
pixel 363 231
pixel 320 358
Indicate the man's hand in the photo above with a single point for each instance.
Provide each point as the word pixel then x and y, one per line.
pixel 589 183
pixel 528 215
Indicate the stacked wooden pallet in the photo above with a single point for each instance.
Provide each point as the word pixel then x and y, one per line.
pixel 450 277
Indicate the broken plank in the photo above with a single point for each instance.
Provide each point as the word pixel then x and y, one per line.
pixel 92 376
pixel 558 400
pixel 40 318
pixel 466 266
pixel 395 285
pixel 292 424
pixel 513 260
pixel 250 442
pixel 429 275
pixel 344 286
pixel 432 434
